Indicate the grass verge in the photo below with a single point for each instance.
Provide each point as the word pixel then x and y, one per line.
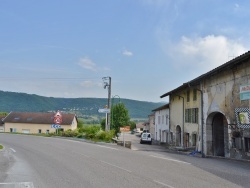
pixel 1 147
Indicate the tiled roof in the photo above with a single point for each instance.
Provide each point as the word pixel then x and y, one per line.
pixel 228 65
pixel 166 106
pixel 37 118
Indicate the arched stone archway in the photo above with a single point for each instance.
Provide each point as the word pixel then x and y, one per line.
pixel 178 135
pixel 216 134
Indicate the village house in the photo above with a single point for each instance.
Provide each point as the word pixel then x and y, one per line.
pixel 185 116
pixel 151 124
pixel 36 123
pixel 1 123
pixel 140 126
pixel 214 109
pixel 161 122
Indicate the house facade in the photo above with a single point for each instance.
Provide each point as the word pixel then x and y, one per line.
pixel 1 123
pixel 151 120
pixel 221 108
pixel 36 123
pixel 161 120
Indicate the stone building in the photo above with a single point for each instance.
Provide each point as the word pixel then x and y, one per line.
pixel 221 110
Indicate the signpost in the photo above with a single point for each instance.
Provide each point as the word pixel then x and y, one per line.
pixel 55 126
pixel 57 121
pixel 106 111
pixel 245 92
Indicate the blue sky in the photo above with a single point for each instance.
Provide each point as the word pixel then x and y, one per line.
pixel 63 48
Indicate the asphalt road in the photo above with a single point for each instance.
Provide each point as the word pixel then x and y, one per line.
pixel 31 161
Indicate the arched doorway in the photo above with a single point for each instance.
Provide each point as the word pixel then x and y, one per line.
pixel 216 134
pixel 178 135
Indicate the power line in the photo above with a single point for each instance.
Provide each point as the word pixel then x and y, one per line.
pixel 45 78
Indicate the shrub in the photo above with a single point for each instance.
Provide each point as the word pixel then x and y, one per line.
pixel 90 131
pixel 70 133
pixel 105 136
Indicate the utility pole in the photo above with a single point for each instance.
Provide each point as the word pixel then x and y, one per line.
pixel 107 84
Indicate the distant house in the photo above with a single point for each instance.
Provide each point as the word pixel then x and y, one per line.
pixel 151 122
pixel 1 123
pixel 161 123
pixel 140 127
pixel 33 122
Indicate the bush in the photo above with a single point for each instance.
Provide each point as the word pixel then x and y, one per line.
pixel 105 136
pixel 90 131
pixel 70 133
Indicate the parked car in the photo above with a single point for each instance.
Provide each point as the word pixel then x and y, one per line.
pixel 146 138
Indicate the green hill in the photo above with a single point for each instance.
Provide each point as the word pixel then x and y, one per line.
pixel 83 107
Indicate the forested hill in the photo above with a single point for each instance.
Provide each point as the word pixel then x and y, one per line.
pixel 83 107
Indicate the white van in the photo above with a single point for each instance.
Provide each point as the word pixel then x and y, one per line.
pixel 146 138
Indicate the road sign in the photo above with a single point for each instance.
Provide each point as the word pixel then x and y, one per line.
pixel 104 110
pixel 55 126
pixel 58 118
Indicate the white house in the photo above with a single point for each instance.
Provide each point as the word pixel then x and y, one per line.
pixel 162 124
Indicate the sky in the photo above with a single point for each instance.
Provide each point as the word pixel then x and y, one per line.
pixel 64 48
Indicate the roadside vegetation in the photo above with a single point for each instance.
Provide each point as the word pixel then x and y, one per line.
pixel 1 147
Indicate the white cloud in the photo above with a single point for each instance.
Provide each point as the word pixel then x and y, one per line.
pixel 127 53
pixel 206 53
pixel 87 63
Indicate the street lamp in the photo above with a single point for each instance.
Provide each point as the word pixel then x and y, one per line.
pixel 107 84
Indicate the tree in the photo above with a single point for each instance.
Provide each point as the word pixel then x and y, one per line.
pixel 119 117
pixel 132 125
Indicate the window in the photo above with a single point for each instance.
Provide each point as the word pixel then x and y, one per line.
pixel 159 119
pixel 194 94
pixel 247 144
pixel 188 96
pixel 162 119
pixel 191 115
pixel 39 131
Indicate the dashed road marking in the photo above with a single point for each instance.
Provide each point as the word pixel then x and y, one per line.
pixel 13 150
pixel 170 159
pixel 166 185
pixel 20 184
pixel 116 166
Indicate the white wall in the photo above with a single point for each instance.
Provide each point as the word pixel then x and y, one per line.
pixel 161 125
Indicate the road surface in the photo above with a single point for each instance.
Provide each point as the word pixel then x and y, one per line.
pixel 32 161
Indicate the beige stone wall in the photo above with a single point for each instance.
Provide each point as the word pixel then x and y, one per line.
pixel 74 124
pixel 222 95
pixel 176 118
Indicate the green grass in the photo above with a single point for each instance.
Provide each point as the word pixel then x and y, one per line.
pixel 1 147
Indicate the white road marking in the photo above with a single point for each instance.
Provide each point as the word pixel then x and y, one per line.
pixel 107 147
pixel 166 185
pixel 169 159
pixel 116 166
pixel 13 150
pixel 20 184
